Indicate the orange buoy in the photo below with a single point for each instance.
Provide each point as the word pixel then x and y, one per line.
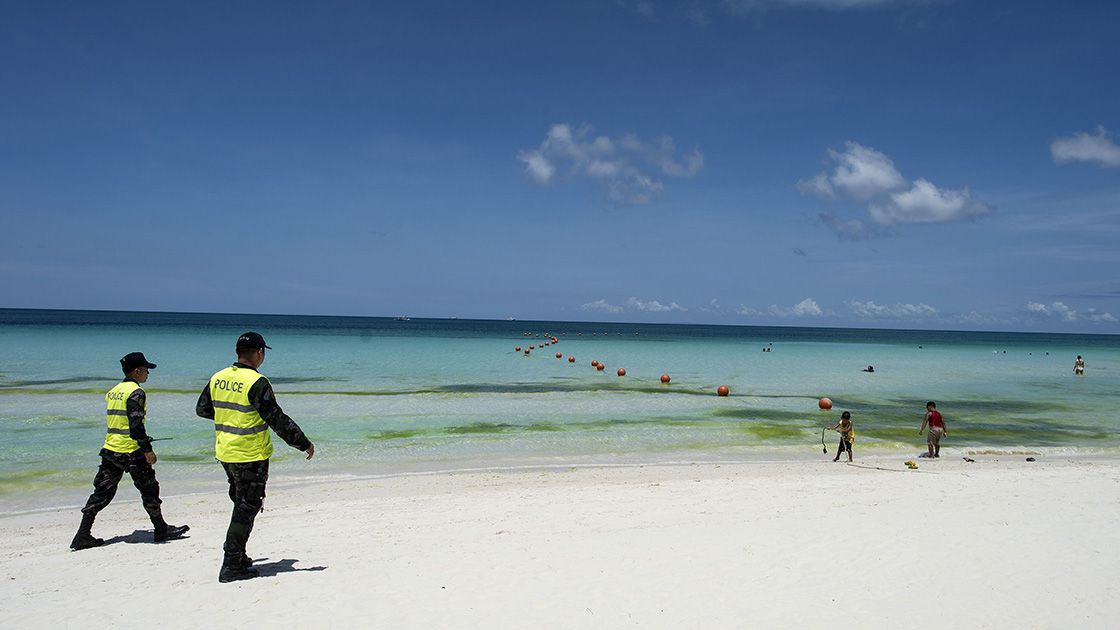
pixel 594 363
pixel 825 403
pixel 571 359
pixel 664 378
pixel 559 355
pixel 622 371
pixel 722 390
pixel 526 351
pixel 532 347
pixel 517 349
pixel 600 367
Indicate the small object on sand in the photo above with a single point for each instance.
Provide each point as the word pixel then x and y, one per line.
pixel 1030 459
pixel 911 465
pixel 970 460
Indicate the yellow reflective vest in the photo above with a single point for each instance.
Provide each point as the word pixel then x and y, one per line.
pixel 116 416
pixel 241 435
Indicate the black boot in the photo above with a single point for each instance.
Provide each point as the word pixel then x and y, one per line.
pixel 84 538
pixel 237 568
pixel 169 532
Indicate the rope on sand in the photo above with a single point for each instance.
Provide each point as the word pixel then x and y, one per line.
pixel 924 472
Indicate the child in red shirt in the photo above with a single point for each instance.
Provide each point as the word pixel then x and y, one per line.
pixel 936 429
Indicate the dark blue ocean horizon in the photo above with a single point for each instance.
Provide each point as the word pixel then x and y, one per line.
pixel 456 327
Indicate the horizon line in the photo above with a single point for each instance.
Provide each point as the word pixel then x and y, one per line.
pixel 558 321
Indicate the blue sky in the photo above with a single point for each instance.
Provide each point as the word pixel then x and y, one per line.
pixel 929 164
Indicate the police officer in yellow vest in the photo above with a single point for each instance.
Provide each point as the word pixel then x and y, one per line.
pixel 243 407
pixel 127 448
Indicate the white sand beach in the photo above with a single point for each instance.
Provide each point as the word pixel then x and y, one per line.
pixel 1000 543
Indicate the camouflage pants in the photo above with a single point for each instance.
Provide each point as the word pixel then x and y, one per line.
pixel 246 490
pixel 113 467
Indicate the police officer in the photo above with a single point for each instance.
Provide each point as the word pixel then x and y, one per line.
pixel 243 407
pixel 127 448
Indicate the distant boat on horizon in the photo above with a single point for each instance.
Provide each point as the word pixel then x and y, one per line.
pixel 402 318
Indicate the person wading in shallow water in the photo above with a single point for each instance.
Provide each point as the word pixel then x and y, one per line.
pixel 127 448
pixel 243 407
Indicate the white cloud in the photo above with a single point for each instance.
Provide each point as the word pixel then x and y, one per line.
pixel 662 153
pixel 632 304
pixel 653 306
pixel 599 168
pixel 871 310
pixel 975 318
pixel 1082 147
pixel 633 188
pixel 537 166
pixel 818 186
pixel 712 307
pixel 926 203
pixel 627 167
pixel 1096 316
pixel 1067 313
pixel 805 308
pixel 859 173
pixel 601 306
pixel 863 174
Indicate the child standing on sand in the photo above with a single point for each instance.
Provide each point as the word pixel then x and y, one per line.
pixel 936 429
pixel 847 434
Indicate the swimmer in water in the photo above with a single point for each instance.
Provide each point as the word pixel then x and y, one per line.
pixel 1079 366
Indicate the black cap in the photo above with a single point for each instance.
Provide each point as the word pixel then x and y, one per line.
pixel 133 360
pixel 251 340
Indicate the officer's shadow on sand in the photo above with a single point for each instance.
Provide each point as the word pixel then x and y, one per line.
pixel 266 569
pixel 287 565
pixel 139 536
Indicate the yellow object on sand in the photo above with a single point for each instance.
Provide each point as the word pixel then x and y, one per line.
pixel 910 464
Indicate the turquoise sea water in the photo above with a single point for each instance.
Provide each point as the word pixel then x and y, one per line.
pixel 379 395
